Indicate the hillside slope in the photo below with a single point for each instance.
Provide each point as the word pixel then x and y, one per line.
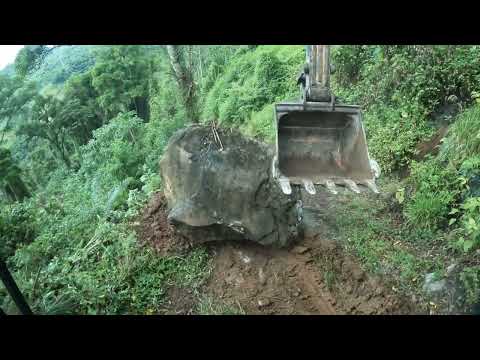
pixel 91 166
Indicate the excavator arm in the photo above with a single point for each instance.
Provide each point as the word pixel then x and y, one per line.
pixel 314 81
pixel 317 74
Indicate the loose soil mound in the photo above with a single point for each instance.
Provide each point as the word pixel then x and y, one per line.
pixel 155 230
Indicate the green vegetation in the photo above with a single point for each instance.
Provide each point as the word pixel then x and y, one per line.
pixel 244 93
pixel 404 90
pixel 82 129
pixel 436 189
pixel 470 277
pixel 445 190
pixel 384 246
pixel 407 92
pixel 88 163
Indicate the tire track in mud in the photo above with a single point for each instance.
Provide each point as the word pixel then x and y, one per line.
pixel 267 281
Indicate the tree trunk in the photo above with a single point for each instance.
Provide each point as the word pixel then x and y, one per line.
pixel 142 108
pixel 184 76
pixel 59 149
pixel 4 130
pixel 16 189
pixel 66 159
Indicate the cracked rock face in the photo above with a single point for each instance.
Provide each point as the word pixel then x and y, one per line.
pixel 221 188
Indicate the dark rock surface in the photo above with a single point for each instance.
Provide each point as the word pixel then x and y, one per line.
pixel 219 186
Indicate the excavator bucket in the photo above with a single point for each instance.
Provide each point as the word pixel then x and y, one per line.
pixel 321 143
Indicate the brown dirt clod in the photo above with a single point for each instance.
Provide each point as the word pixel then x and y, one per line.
pixel 155 230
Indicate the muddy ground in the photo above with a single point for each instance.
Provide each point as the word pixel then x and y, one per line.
pixel 314 276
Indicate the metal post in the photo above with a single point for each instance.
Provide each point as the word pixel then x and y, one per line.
pixel 13 289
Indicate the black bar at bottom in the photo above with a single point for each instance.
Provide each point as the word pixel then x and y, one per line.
pixel 13 289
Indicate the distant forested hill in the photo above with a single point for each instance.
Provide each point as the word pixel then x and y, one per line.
pixel 62 62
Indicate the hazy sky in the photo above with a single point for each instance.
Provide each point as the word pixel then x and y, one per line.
pixel 8 53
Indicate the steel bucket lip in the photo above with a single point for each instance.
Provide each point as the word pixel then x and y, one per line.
pixel 291 106
pixel 337 180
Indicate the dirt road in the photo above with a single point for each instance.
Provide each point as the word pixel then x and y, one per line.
pixel 312 277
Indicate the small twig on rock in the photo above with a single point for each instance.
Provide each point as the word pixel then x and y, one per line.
pixel 216 136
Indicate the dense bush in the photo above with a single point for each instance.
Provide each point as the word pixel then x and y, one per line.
pixel 77 252
pixel 85 258
pixel 402 89
pixel 116 148
pixel 244 94
pixel 17 227
pixel 406 92
pixel 393 134
pixel 437 188
pixel 470 278
pixel 463 142
pixel 447 188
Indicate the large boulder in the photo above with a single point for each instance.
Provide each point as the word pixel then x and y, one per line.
pixel 219 186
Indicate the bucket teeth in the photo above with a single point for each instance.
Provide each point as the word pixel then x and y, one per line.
pixel 331 187
pixel 285 185
pixel 274 167
pixel 352 186
pixel 375 168
pixel 308 184
pixel 371 185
